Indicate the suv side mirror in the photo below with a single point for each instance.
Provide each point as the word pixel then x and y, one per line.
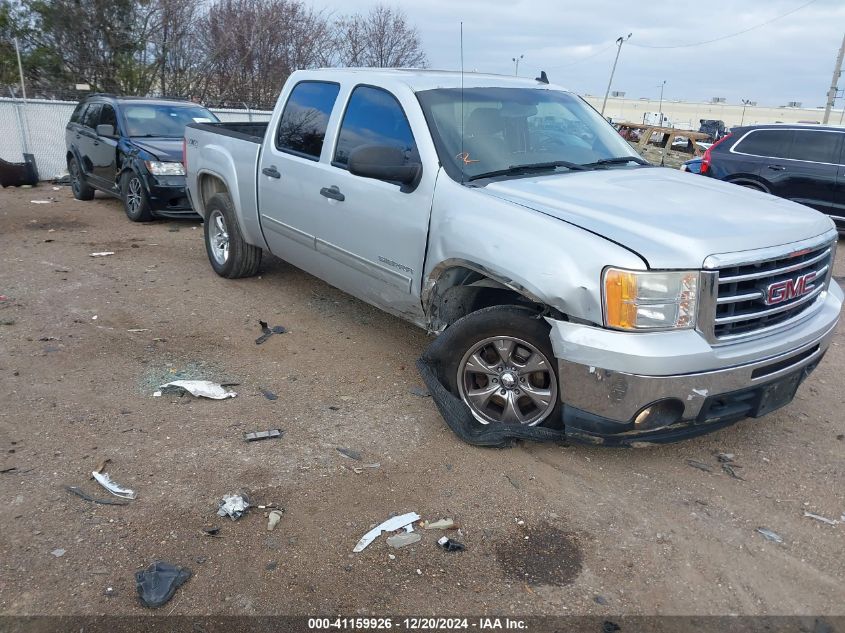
pixel 105 130
pixel 383 162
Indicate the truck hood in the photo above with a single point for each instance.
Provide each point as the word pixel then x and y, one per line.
pixel 165 149
pixel 670 218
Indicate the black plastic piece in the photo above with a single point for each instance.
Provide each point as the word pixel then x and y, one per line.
pixel 17 174
pixel 157 583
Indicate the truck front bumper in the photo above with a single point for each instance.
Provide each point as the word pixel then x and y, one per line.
pixel 630 389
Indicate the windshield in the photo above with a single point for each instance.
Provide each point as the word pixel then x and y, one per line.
pixel 161 120
pixel 506 128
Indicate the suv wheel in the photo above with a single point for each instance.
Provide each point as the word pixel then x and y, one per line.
pixel 502 367
pixel 134 196
pixel 81 189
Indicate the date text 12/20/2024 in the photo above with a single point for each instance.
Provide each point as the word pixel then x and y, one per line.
pixel 417 624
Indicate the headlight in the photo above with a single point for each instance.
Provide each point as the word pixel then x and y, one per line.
pixel 637 300
pixel 165 169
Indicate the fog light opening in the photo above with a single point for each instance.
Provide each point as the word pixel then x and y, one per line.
pixel 659 414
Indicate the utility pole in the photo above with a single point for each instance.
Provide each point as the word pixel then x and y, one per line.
pixel 619 43
pixel 837 70
pixel 660 114
pixel 21 120
pixel 745 104
pixel 515 60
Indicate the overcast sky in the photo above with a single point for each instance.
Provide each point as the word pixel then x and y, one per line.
pixel 790 59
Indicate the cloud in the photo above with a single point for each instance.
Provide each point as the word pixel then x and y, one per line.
pixel 789 60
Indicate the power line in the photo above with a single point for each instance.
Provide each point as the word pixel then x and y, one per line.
pixel 724 37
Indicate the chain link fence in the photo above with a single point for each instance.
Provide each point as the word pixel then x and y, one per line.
pixel 37 127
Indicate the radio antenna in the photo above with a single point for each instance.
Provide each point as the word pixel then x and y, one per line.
pixel 462 156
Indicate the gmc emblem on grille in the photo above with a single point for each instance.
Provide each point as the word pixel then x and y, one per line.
pixel 790 289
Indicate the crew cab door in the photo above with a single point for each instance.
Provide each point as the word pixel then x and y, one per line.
pixel 376 230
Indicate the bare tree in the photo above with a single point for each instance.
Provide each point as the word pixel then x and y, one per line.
pixel 381 38
pixel 252 46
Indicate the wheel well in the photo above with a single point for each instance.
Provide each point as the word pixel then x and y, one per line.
pixel 459 290
pixel 208 186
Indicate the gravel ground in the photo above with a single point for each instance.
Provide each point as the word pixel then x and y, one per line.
pixel 547 529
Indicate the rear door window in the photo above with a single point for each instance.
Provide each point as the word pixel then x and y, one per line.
pixel 769 143
pixel 92 115
pixel 816 146
pixel 373 117
pixel 302 128
pixel 76 117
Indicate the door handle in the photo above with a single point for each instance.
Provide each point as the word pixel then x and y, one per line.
pixel 271 171
pixel 332 192
pixel 777 167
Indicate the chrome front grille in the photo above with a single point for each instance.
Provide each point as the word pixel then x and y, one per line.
pixel 750 297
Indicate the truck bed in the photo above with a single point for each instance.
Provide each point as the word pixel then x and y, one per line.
pixel 243 130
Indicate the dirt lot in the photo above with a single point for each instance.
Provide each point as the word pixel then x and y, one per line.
pixel 605 531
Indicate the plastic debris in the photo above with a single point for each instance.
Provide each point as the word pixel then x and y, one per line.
pixel 79 492
pixel 769 535
pixel 234 506
pixel 116 489
pixel 254 436
pixel 268 332
pixel 58 552
pixel 351 454
pixel 820 518
pixel 699 465
pixel 441 524
pixel 729 468
pixel 404 539
pixel 390 525
pixel 211 530
pixel 725 457
pixel 50 201
pixel 269 394
pixel 157 583
pixel 273 519
pixel 360 469
pixel 449 545
pixel 199 388
pixel 102 254
pixel 136 330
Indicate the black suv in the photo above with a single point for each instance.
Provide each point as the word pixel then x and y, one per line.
pixel 131 147
pixel 803 163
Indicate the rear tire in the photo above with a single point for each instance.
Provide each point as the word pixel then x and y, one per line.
pixel 502 366
pixel 229 254
pixel 134 196
pixel 81 189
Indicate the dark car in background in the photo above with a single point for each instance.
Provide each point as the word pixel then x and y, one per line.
pixel 803 163
pixel 131 148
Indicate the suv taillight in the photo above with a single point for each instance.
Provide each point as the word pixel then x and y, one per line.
pixel 706 159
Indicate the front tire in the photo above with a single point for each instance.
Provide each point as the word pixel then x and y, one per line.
pixel 501 365
pixel 81 189
pixel 230 255
pixel 135 201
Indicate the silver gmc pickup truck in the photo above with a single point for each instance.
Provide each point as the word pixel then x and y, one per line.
pixel 578 289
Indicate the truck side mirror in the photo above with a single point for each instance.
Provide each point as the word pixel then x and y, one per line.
pixel 105 130
pixel 383 162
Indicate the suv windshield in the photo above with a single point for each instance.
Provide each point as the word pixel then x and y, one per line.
pixel 514 131
pixel 160 120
